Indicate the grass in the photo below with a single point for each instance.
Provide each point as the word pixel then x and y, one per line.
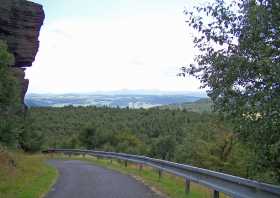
pixel 25 176
pixel 169 185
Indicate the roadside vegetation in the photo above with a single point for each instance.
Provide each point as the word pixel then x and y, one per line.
pixel 24 176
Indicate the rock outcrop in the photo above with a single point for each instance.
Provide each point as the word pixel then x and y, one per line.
pixel 20 24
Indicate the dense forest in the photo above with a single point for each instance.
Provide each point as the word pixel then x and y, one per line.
pixel 199 139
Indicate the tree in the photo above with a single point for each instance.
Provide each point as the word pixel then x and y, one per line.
pixel 8 84
pixel 88 137
pixel 9 99
pixel 164 147
pixel 30 139
pixel 239 63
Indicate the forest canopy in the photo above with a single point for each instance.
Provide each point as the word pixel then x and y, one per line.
pixel 200 139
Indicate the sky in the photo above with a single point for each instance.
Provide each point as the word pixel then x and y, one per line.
pixel 106 45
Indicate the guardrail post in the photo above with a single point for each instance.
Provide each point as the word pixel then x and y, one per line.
pixel 159 174
pixel 216 194
pixel 125 163
pixel 187 186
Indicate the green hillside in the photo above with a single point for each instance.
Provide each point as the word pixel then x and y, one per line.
pixel 200 106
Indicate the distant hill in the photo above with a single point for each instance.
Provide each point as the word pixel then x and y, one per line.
pixel 132 101
pixel 201 105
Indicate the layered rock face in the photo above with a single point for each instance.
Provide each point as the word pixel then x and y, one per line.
pixel 20 24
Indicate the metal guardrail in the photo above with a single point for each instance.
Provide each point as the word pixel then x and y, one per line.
pixel 232 186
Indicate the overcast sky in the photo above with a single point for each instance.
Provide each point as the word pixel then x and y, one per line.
pixel 103 45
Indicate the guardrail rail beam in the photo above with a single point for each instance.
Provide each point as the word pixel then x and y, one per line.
pixel 230 185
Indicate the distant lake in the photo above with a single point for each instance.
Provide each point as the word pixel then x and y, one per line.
pixel 122 101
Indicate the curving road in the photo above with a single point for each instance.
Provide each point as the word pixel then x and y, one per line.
pixel 79 179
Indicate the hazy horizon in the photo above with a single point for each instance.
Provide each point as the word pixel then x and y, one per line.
pixel 199 93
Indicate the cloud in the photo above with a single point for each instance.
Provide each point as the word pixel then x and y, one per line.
pixel 138 52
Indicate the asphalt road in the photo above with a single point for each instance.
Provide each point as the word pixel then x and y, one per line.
pixel 79 179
